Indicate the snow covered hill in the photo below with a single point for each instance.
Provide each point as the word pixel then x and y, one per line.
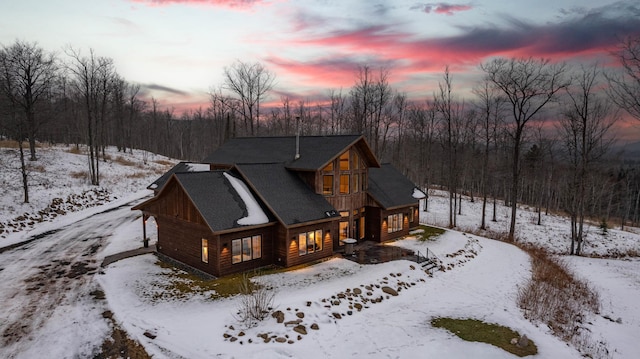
pixel 482 282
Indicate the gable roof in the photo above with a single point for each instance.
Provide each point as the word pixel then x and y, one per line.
pixel 178 168
pixel 285 194
pixel 315 151
pixel 390 188
pixel 207 191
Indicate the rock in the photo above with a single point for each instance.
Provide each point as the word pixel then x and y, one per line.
pixel 293 322
pixel 289 341
pixel 314 326
pixel 412 267
pixel 349 312
pixel 523 342
pixel 514 341
pixel 300 315
pixel 149 335
pixel 279 315
pixel 308 304
pixel 357 291
pixel 358 306
pixel 281 340
pixel 300 329
pixel 341 295
pixel 226 335
pixel 231 327
pixel 337 315
pixel 241 334
pixel 233 339
pixel 390 291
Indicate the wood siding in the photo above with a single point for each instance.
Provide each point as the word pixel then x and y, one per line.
pixel 377 226
pixel 329 230
pixel 267 250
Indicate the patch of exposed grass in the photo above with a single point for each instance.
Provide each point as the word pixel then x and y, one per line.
pixel 474 330
pixel 75 150
pixel 183 285
pixel 164 162
pixel 123 161
pixel 425 233
pixel 556 297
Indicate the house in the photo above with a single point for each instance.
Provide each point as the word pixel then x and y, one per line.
pixel 278 201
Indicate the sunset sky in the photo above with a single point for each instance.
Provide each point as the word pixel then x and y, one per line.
pixel 177 49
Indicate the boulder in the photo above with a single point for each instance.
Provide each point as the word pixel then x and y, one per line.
pixel 390 291
pixel 523 342
pixel 301 329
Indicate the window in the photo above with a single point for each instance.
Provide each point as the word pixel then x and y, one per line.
pixel 344 184
pixel 205 250
pixel 394 222
pixel 328 168
pixel 344 161
pixel 355 161
pixel 327 185
pixel 344 230
pixel 361 227
pixel 411 214
pixel 309 242
pixel 246 249
pixel 363 182
pixel 356 183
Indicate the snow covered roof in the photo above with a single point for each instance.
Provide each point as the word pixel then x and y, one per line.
pixel 288 197
pixel 390 188
pixel 208 190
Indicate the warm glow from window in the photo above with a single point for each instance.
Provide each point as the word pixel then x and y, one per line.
pixel 327 185
pixel 205 250
pixel 328 168
pixel 361 227
pixel 344 184
pixel 246 249
pixel 309 242
pixel 356 182
pixel 344 230
pixel 395 222
pixel 344 161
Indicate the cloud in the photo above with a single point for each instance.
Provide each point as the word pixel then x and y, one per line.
pixel 232 4
pixel 147 88
pixel 441 8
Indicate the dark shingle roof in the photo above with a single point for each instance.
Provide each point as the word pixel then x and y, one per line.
pixel 291 200
pixel 390 188
pixel 179 168
pixel 315 151
pixel 215 198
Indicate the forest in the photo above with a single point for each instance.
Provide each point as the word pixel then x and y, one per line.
pixel 529 131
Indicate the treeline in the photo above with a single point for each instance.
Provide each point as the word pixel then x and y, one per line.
pixel 532 131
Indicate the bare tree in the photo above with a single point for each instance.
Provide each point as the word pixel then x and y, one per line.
pixel 584 128
pixel 91 77
pixel 528 85
pixel 250 82
pixel 625 86
pixel 31 72
pixel 491 110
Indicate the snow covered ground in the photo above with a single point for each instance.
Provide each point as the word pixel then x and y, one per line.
pixel 482 284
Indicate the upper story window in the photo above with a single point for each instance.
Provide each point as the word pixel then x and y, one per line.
pixel 327 185
pixel 344 161
pixel 328 168
pixel 355 159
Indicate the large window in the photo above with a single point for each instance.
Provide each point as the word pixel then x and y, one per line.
pixel 205 250
pixel 246 249
pixel 394 223
pixel 344 161
pixel 327 185
pixel 309 242
pixel 361 227
pixel 356 182
pixel 344 230
pixel 344 184
pixel 411 215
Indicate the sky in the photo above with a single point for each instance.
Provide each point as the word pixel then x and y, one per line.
pixel 177 49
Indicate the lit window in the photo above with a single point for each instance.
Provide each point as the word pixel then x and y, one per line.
pixel 344 230
pixel 246 249
pixel 328 168
pixel 411 214
pixel 344 161
pixel 361 227
pixel 309 242
pixel 327 185
pixel 395 222
pixel 205 250
pixel 344 184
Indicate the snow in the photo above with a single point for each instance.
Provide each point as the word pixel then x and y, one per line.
pixel 482 282
pixel 198 167
pixel 255 214
pixel 418 194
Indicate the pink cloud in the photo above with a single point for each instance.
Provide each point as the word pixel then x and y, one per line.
pixel 233 4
